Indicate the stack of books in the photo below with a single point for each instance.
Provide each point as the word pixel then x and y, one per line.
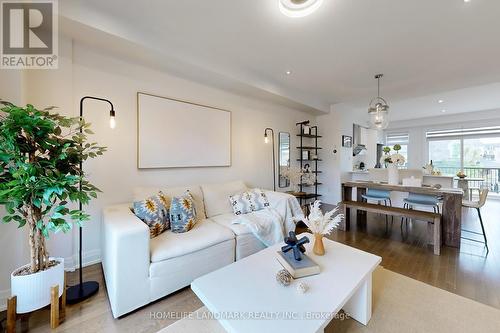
pixel 296 268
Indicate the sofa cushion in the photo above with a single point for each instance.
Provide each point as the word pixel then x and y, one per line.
pixel 204 234
pixel 144 192
pixel 226 220
pixel 182 213
pixel 216 196
pixel 248 201
pixel 154 213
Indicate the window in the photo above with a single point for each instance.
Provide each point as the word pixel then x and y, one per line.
pixel 401 139
pixel 476 151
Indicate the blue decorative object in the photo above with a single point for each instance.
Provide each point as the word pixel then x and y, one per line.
pixel 297 245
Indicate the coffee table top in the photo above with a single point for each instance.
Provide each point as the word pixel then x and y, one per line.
pixel 245 296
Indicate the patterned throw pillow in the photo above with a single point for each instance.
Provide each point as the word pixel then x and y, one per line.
pixel 154 213
pixel 182 213
pixel 249 201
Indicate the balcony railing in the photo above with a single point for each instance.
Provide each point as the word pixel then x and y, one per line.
pixel 490 176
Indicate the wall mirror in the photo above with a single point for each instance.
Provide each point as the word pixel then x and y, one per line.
pixel 284 158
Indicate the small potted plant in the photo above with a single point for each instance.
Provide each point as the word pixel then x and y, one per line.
pixel 321 225
pixel 40 174
pixel 391 162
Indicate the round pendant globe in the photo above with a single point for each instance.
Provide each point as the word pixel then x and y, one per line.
pixel 378 119
pixel 299 8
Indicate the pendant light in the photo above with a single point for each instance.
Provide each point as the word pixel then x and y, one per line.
pixel 378 109
pixel 299 8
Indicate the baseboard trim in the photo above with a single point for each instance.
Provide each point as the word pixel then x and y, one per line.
pixel 89 258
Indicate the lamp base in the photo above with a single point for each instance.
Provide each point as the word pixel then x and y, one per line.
pixel 80 292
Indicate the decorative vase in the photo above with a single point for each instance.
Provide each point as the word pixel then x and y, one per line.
pixel 393 174
pixel 33 290
pixel 319 248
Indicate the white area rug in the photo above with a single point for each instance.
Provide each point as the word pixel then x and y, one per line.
pixel 400 304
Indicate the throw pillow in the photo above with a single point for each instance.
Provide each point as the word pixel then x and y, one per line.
pixel 249 201
pixel 154 213
pixel 182 213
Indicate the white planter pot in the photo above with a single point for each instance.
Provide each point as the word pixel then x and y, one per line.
pixel 392 174
pixel 33 291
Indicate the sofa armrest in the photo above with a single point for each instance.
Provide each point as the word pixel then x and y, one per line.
pixel 125 259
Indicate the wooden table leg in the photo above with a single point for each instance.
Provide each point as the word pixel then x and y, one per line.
pixel 346 196
pixel 360 214
pixel 54 306
pixel 11 314
pixel 451 223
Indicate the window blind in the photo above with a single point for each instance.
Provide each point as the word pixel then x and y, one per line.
pixel 397 138
pixel 478 131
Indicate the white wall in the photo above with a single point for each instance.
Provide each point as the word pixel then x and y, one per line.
pixel 12 241
pixel 336 167
pixel 86 71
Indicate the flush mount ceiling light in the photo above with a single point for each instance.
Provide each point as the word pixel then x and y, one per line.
pixel 378 109
pixel 299 8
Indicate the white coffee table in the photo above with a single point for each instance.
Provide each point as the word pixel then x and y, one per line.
pixel 245 296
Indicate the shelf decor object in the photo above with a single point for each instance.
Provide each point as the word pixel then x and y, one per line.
pixel 84 290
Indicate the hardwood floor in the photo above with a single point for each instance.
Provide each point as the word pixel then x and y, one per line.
pixel 468 272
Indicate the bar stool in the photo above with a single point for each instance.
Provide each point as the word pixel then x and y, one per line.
pixel 423 200
pixel 379 196
pixel 483 195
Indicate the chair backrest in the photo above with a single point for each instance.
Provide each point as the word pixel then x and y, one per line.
pixel 483 195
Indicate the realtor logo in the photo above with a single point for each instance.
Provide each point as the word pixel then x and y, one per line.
pixel 29 34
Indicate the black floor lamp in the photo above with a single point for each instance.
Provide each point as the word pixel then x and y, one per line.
pixel 266 140
pixel 84 290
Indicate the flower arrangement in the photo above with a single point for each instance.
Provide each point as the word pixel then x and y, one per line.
pixel 320 223
pixel 395 158
pixel 298 176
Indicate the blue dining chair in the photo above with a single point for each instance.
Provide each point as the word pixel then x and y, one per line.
pixel 379 196
pixel 422 200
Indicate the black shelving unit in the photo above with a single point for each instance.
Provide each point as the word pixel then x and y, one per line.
pixel 306 144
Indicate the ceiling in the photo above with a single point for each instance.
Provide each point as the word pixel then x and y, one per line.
pixel 425 48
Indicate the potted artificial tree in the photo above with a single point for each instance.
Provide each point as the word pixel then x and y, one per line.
pixel 40 174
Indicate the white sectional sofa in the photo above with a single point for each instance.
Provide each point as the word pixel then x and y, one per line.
pixel 139 270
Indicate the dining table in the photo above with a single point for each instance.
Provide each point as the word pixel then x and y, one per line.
pixel 451 212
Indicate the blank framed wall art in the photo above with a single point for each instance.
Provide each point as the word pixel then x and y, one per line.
pixel 178 134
